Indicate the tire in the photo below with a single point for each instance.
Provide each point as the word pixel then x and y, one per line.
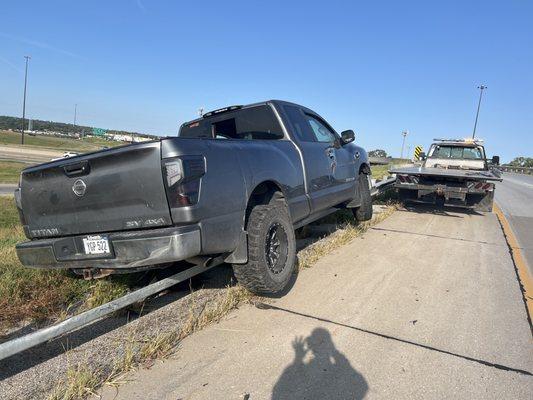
pixel 364 211
pixel 270 232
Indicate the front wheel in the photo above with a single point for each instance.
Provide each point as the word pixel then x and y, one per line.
pixel 271 250
pixel 364 211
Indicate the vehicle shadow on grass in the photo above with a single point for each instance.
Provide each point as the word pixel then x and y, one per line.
pixel 319 371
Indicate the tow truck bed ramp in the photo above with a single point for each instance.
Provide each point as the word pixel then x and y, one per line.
pixel 447 173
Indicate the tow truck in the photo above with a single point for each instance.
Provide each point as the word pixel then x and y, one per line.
pixel 455 172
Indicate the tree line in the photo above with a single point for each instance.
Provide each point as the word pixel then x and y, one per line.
pixel 15 123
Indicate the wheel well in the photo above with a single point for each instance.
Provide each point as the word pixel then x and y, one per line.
pixel 365 169
pixel 263 193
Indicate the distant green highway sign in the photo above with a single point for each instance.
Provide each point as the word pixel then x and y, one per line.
pixel 99 131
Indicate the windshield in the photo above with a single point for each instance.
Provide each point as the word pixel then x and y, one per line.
pixel 456 152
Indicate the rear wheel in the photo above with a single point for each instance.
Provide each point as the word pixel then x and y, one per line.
pixel 271 250
pixel 364 211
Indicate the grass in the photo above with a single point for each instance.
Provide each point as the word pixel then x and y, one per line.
pixel 380 171
pixel 32 295
pixel 10 171
pixel 57 143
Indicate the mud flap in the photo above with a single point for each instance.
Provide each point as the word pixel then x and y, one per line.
pixel 485 204
pixel 240 254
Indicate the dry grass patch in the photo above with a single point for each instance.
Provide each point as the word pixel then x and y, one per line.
pixel 347 231
pixel 82 380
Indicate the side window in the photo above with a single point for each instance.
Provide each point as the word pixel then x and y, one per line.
pixel 322 133
pixel 299 124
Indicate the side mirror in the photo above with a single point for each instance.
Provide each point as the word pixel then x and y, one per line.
pixel 495 160
pixel 347 136
pixel 422 156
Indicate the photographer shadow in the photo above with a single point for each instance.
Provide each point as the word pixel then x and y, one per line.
pixel 326 375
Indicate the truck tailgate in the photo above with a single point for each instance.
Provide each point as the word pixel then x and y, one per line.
pixel 110 190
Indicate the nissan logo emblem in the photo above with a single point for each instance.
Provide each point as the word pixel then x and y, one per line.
pixel 79 188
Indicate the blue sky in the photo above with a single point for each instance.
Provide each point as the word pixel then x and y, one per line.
pixel 376 67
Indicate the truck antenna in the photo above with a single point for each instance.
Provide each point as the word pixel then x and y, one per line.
pixel 478 105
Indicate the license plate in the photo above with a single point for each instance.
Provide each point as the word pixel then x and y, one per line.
pixel 96 245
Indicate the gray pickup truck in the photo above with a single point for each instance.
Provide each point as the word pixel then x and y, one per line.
pixel 233 186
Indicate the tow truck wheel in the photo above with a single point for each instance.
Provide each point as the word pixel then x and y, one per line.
pixel 271 250
pixel 364 211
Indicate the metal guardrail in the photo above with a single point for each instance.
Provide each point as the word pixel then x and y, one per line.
pixel 33 339
pixel 519 170
pixel 14 346
pixel 382 186
pixel 379 160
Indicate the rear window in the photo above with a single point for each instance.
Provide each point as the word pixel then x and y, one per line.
pixel 257 123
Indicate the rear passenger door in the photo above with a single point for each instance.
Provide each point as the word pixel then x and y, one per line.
pixel 329 180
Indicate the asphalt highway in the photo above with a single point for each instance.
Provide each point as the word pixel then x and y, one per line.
pixel 515 197
pixel 7 188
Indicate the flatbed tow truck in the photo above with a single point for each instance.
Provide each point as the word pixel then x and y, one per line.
pixel 455 172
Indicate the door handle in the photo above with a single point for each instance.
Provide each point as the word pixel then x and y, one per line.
pixel 77 169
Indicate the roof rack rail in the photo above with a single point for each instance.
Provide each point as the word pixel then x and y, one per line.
pixel 220 111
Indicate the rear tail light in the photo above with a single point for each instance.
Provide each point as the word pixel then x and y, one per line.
pixel 182 177
pixel 481 186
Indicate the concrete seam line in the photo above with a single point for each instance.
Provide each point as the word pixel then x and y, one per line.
pixel 521 269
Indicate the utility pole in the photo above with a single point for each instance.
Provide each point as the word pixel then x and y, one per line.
pixel 24 101
pixel 481 88
pixel 404 134
pixel 75 112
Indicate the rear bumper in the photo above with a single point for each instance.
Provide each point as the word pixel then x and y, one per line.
pixel 457 196
pixel 132 249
